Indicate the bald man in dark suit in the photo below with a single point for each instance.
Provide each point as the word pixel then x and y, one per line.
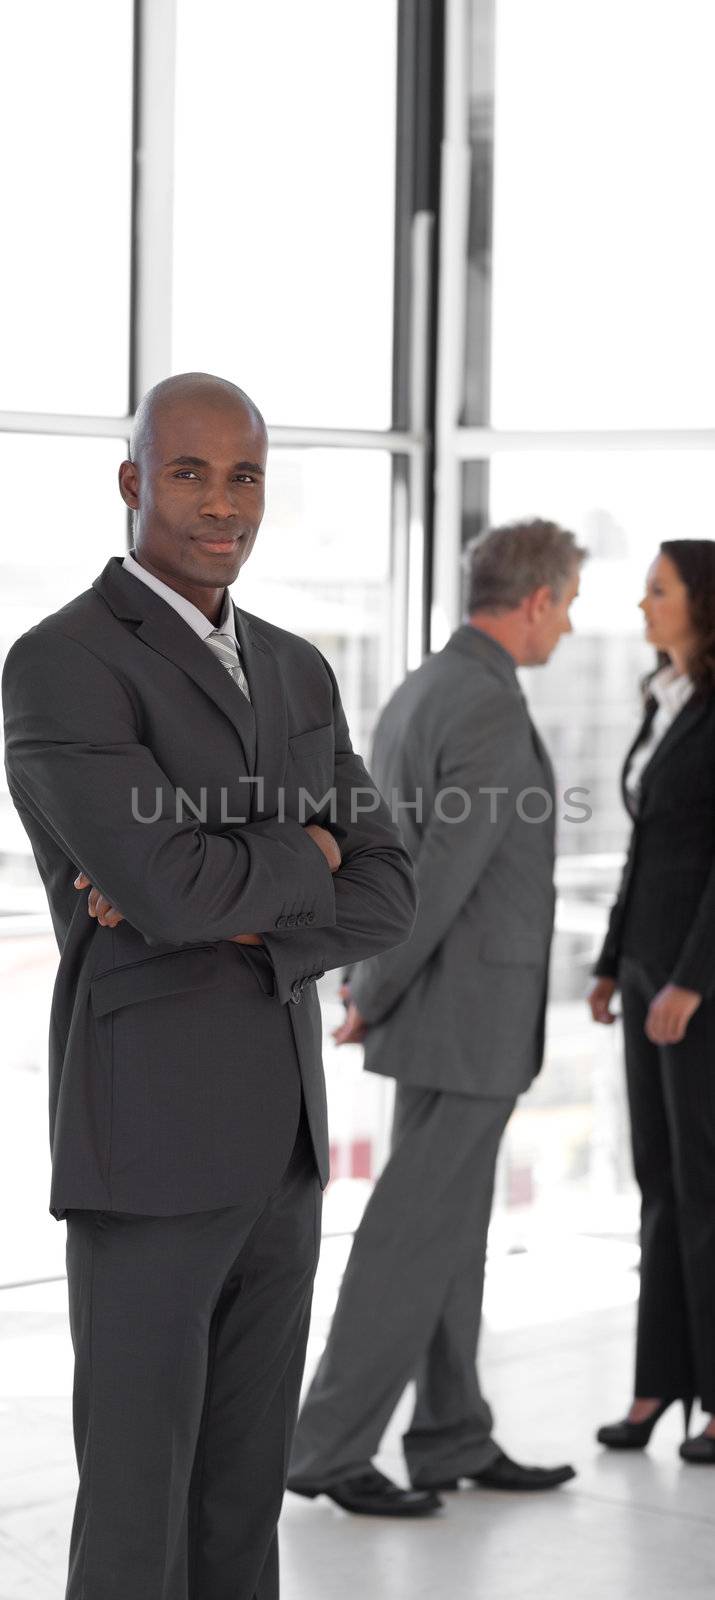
pixel 194 763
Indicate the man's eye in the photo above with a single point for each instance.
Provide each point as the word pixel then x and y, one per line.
pixel 186 472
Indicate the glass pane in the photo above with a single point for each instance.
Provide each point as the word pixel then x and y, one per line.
pixel 65 116
pixel 63 519
pixel 50 555
pixel 603 235
pixel 321 567
pixel 284 205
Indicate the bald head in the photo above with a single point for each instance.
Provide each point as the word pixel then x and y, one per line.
pixel 184 393
pixel 195 484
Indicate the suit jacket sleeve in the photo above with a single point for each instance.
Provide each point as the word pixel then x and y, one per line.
pixel 74 758
pixel 374 888
pixel 607 964
pixel 453 853
pixel 695 966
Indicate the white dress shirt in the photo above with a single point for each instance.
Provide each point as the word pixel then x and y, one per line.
pixel 672 690
pixel 190 613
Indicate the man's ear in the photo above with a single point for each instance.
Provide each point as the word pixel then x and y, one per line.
pixel 129 484
pixel 538 603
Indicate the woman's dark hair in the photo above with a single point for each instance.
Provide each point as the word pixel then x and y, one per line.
pixel 694 560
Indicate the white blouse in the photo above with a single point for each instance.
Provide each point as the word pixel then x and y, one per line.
pixel 671 690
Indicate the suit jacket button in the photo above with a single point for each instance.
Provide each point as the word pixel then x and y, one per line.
pixel 310 916
pixel 300 919
pixel 280 922
pixel 290 922
pixel 296 993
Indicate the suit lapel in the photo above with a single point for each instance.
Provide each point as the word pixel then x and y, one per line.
pixel 643 731
pixel 160 628
pixel 271 717
pixel 172 637
pixel 688 718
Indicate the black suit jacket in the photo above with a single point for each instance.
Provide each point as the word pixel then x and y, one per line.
pixel 176 1057
pixel 664 914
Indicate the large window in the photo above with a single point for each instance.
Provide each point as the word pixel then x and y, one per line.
pixel 284 213
pixel 66 130
pixel 604 240
pixel 582 389
pixel 223 186
pixel 198 186
pixel 65 271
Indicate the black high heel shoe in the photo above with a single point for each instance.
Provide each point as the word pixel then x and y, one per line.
pixel 700 1450
pixel 627 1435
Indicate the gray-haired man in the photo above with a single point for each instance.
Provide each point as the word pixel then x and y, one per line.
pixel 456 1015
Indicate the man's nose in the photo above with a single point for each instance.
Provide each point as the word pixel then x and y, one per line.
pixel 217 503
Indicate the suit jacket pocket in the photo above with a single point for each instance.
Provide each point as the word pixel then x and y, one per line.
pixel 315 741
pixel 174 972
pixel 311 771
pixel 519 949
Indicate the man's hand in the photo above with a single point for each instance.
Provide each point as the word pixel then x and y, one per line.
pixel 109 916
pixel 98 905
pixel 325 842
pixel 599 999
pixel 352 1029
pixel 669 1014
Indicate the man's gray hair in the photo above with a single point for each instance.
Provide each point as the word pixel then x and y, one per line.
pixel 504 565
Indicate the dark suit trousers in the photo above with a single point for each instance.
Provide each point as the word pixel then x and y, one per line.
pixel 189 1335
pixel 671 1092
pixel 410 1302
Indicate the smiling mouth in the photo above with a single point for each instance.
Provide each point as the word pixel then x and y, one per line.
pixel 220 546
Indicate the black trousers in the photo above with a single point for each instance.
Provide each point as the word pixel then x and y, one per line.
pixel 189 1335
pixel 671 1093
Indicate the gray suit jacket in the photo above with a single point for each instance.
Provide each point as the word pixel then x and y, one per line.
pixel 460 1006
pixel 176 1057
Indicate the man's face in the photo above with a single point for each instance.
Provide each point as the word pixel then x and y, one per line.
pixel 549 620
pixel 198 490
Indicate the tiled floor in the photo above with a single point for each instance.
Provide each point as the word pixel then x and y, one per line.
pixel 628 1528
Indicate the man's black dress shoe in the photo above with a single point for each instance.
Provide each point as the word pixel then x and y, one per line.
pixel 503 1473
pixel 371 1494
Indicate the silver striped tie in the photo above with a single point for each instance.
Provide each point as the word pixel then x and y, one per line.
pixel 225 648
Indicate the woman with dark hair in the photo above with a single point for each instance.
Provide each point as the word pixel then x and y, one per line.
pixel 660 951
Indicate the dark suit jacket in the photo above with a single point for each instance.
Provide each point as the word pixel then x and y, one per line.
pixel 460 1006
pixel 664 914
pixel 176 1057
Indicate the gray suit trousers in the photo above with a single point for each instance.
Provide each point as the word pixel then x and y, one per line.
pixel 410 1302
pixel 189 1335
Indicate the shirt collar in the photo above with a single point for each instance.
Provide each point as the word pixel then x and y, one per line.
pixel 670 688
pixel 191 614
